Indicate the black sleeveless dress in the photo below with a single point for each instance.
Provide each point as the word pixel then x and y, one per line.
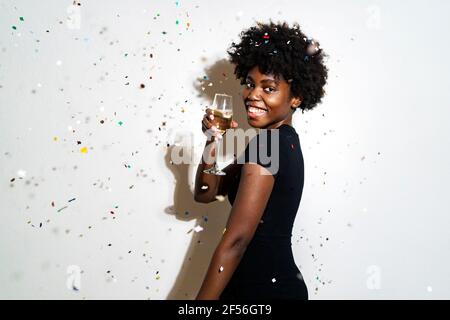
pixel 267 269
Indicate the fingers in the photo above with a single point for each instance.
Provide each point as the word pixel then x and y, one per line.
pixel 209 114
pixel 208 127
pixel 207 123
pixel 212 132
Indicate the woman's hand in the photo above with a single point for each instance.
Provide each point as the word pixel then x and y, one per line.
pixel 209 127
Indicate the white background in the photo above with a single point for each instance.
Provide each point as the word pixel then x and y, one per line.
pixel 376 150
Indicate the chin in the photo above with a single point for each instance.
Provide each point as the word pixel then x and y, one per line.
pixel 255 124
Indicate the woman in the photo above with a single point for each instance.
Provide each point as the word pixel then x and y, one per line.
pixel 282 70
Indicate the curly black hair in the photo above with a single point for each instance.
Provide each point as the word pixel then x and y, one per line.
pixel 279 49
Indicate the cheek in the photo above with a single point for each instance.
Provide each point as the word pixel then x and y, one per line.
pixel 275 101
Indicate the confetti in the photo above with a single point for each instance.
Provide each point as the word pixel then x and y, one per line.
pixel 71 199
pixel 274 280
pixel 21 173
pixel 59 210
pixel 198 229
pixel 83 150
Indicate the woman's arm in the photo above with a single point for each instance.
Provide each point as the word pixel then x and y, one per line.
pixel 208 186
pixel 216 185
pixel 251 200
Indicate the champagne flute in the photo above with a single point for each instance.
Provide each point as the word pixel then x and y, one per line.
pixel 222 109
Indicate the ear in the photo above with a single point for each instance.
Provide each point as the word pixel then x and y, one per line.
pixel 295 102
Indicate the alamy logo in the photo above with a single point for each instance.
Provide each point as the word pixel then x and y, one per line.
pixel 263 148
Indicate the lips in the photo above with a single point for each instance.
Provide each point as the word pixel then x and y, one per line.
pixel 254 106
pixel 255 112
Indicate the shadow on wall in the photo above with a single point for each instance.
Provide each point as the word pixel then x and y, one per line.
pixel 203 244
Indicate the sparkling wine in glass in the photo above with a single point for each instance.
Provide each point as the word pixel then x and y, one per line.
pixel 222 109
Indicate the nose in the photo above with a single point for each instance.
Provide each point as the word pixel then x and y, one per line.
pixel 253 94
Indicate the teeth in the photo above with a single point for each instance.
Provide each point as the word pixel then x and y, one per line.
pixel 256 110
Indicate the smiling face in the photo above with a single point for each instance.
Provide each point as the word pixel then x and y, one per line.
pixel 268 100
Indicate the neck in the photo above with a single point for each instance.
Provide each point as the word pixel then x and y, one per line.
pixel 275 125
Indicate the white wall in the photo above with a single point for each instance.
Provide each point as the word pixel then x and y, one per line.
pixel 379 135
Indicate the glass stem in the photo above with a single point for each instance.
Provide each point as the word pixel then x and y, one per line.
pixel 216 151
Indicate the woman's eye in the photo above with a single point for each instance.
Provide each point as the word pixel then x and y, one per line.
pixel 268 89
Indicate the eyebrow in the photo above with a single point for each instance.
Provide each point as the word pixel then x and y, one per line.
pixel 265 80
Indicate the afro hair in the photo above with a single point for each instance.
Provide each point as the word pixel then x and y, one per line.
pixel 279 49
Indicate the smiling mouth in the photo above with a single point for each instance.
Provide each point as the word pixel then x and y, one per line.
pixel 254 112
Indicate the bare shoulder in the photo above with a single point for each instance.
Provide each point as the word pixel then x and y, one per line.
pixel 255 188
pixel 256 183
